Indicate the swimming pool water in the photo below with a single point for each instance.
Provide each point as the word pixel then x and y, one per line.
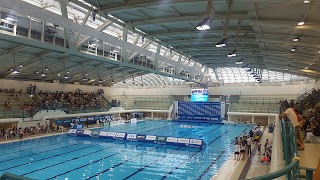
pixel 74 158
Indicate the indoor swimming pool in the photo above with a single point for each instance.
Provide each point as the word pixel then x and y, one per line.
pixel 73 158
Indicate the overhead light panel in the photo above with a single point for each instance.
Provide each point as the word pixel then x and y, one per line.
pixel 66 76
pixel 204 25
pixel 296 39
pixel 301 23
pixel 306 1
pixel 21 65
pixel 222 43
pixel 46 68
pixel 239 61
pixel 232 54
pixel 15 71
pixel 84 78
pixel 293 49
pixel 100 80
pixel 43 74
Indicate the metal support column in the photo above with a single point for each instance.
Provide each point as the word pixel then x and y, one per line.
pixel 125 39
pixel 156 61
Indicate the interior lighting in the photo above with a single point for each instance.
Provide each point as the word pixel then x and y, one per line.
pixel 43 74
pixel 239 62
pixel 68 72
pixel 84 78
pixel 66 76
pixel 296 39
pixel 306 1
pixel 46 68
pixel 293 49
pixel 222 43
pixel 15 71
pixel 58 74
pixel 232 54
pixel 204 25
pixel 100 80
pixel 301 23
pixel 21 65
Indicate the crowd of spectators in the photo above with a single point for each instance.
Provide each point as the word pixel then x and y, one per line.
pixel 70 100
pixel 115 103
pixel 307 110
pixel 11 94
pixel 14 132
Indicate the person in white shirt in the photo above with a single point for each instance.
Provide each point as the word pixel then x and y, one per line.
pixel 237 152
pixel 291 115
pixel 249 142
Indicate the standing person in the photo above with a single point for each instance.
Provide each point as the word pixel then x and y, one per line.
pixel 249 142
pixel 21 133
pixel 291 115
pixel 259 148
pixel 251 134
pixel 237 152
pixel 236 140
pixel 266 146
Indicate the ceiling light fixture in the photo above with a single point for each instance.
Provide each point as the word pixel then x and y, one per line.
pixel 43 74
pixel 15 71
pixel 306 1
pixel 66 76
pixel 293 49
pixel 232 54
pixel 21 65
pixel 239 61
pixel 222 43
pixel 204 25
pixel 296 39
pixel 84 78
pixel 46 68
pixel 301 23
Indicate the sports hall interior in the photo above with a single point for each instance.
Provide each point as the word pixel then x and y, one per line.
pixel 138 59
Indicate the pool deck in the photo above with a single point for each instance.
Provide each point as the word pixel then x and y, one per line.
pixel 250 167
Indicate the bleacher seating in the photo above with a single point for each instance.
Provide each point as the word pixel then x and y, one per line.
pixel 12 104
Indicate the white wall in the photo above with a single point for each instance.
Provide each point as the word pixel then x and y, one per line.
pixel 181 90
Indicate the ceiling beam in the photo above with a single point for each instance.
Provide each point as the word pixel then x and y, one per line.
pixel 185 31
pixel 64 12
pixel 184 18
pixel 13 50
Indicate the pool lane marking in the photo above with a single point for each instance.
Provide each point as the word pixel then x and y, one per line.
pixel 75 158
pixel 214 161
pixel 100 173
pixel 5 154
pixel 83 156
pixel 211 164
pixel 26 142
pixel 146 166
pixel 48 157
pixel 141 169
pixel 39 152
pixel 110 156
pixel 177 167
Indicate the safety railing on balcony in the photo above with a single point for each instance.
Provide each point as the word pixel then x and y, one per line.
pixel 253 110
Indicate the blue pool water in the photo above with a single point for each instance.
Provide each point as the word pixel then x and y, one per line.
pixel 74 158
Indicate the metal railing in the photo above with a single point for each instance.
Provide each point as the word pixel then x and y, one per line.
pixel 253 110
pixel 292 161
